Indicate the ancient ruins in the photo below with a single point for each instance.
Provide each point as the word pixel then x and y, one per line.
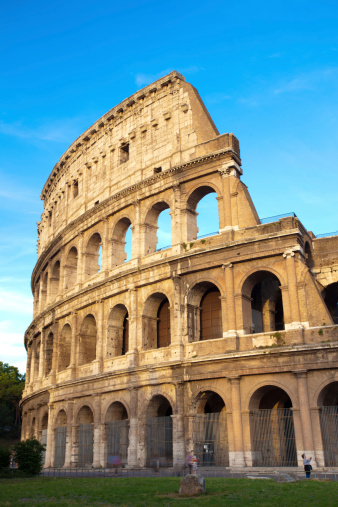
pixel 226 345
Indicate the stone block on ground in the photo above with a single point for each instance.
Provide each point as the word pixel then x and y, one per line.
pixel 286 477
pixel 192 485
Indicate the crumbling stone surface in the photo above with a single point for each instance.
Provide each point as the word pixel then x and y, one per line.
pixel 192 485
pixel 286 477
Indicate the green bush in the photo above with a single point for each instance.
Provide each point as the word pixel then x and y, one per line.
pixel 28 454
pixel 5 457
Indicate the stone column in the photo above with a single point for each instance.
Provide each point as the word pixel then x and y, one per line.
pixel 178 428
pixel 227 218
pixel 231 332
pixel 305 415
pixel 68 453
pixel 133 429
pixel 136 247
pixel 236 456
pixel 289 257
pixel 73 359
pixel 50 437
pixel 97 364
pixel 105 248
pixel 176 222
pixel 97 432
pixel 80 262
pixel 62 273
pixel 176 321
pixel 134 345
pixel 317 436
pixel 55 353
pixel 42 355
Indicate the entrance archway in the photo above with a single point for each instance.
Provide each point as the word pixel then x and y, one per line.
pixel 159 432
pixel 210 431
pixel 272 428
pixel 85 424
pixel 328 403
pixel 60 433
pixel 117 432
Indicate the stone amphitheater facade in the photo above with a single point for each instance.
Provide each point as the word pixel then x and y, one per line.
pixel 226 344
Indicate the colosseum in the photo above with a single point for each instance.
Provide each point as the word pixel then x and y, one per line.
pixel 225 344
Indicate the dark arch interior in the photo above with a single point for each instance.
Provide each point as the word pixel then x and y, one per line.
pixel 270 397
pixel 267 305
pixel 331 300
pixel 210 403
pixel 159 406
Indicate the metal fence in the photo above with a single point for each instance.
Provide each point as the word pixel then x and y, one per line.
pixel 210 435
pixel 86 440
pixel 329 425
pixel 273 438
pixel 60 446
pixel 159 434
pixel 118 439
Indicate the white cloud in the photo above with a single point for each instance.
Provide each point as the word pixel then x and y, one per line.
pixel 15 302
pixel 12 347
pixel 309 81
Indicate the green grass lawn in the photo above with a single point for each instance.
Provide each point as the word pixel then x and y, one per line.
pixel 163 492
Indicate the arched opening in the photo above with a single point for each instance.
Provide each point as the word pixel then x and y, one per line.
pixel 36 356
pixel 262 303
pixel 37 297
pixel 85 425
pixel 118 331
pixel 117 432
pixel 151 228
pixel 92 265
pixel 49 353
pixel 159 432
pixel 204 312
pixel 122 242
pixel 64 347
pixel 43 435
pixel 308 256
pixel 156 322
pixel 87 344
pixel 272 429
pixel 54 281
pixel 203 202
pixel 331 300
pixel 71 268
pixel 210 430
pixel 328 410
pixel 60 434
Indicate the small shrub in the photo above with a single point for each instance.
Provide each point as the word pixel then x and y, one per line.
pixel 184 246
pixel 203 241
pixel 191 244
pixel 5 457
pixel 28 455
pixel 320 332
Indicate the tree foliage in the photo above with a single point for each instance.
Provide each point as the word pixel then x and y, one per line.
pixel 5 457
pixel 28 455
pixel 12 384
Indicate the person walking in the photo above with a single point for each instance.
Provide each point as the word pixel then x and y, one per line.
pixel 307 466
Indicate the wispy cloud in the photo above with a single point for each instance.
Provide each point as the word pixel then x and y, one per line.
pixel 309 81
pixel 15 302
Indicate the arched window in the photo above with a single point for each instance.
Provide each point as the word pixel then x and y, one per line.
pixel 151 233
pixel 71 268
pixel 92 266
pixel 118 332
pixel 156 322
pixel 328 410
pixel 203 202
pixel 64 347
pixel 204 312
pixel 87 345
pixel 54 281
pixel 331 300
pixel 122 242
pixel 265 312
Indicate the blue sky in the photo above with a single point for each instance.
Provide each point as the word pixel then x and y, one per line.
pixel 267 71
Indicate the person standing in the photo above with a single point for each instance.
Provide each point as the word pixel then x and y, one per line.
pixel 190 458
pixel 307 466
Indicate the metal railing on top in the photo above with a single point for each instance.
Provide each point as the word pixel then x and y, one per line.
pixel 267 220
pixel 327 234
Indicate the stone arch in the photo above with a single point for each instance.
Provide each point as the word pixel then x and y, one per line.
pixel 159 431
pixel 85 435
pixel 271 426
pixel 193 199
pixel 262 303
pixel 119 255
pixel 156 326
pixel 92 253
pixel 204 313
pixel 54 282
pixel 60 437
pixel 36 347
pixel 49 353
pixel 328 413
pixel 70 269
pixel 118 331
pixel 64 347
pixel 87 340
pixel 33 428
pixel 117 432
pixel 330 294
pixel 210 429
pixel 44 290
pixel 151 226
